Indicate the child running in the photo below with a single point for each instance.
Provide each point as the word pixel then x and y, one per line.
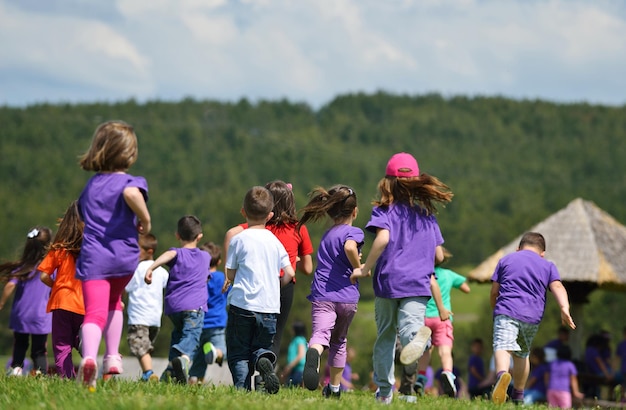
pixel 28 313
pixel 185 295
pixel 518 299
pixel 145 307
pixel 212 346
pixel 407 245
pixel 113 208
pixel 334 296
pixel 58 270
pixel 562 381
pixel 253 262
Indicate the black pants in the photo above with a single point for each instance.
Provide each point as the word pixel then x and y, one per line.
pixel 286 300
pixel 38 352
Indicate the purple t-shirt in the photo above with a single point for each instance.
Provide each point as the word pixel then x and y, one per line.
pixel 28 314
pixel 186 288
pixel 560 373
pixel 621 353
pixel 592 355
pixel 331 282
pixel 524 277
pixel 109 247
pixel 539 373
pixel 477 363
pixel 405 266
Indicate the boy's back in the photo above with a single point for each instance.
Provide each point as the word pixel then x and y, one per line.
pixel 258 257
pixel 145 302
pixel 186 289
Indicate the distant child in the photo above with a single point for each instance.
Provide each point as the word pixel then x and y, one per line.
pixel 28 313
pixel 296 353
pixel 476 370
pixel 185 295
pixel 253 262
pixel 58 270
pixel 563 382
pixel 145 307
pixel 440 323
pixel 518 299
pixel 296 241
pixel 212 346
pixel 334 296
pixel 536 384
pixel 113 208
pixel 551 347
pixel 407 245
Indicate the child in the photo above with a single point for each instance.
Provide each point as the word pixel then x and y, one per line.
pixel 405 250
pixel 476 370
pixel 185 295
pixel 28 312
pixel 536 385
pixel 113 208
pixel 66 299
pixel 297 243
pixel 563 382
pixel 253 262
pixel 518 299
pixel 213 336
pixel 441 327
pixel 334 296
pixel 145 307
pixel 296 355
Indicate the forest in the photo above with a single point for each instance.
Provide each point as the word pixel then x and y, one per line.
pixel 510 163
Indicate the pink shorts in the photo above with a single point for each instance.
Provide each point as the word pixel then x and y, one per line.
pixel 562 399
pixel 442 331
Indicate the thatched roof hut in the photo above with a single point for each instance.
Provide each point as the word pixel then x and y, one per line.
pixel 587 245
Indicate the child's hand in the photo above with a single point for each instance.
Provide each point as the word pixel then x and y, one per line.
pixel 566 318
pixel 356 274
pixel 148 277
pixel 225 286
pixel 143 228
pixel 445 315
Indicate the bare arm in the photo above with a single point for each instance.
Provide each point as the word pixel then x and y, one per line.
pixel 305 264
pixel 230 276
pixel 288 276
pixel 46 279
pixel 465 288
pixel 295 361
pixel 493 295
pixel 444 314
pixel 575 389
pixel 136 202
pixel 378 246
pixel 559 292
pixel 6 293
pixel 160 261
pixel 439 254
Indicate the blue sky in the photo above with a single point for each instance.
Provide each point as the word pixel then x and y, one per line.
pixel 310 50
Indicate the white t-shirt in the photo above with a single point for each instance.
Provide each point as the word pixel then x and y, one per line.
pixel 145 302
pixel 258 257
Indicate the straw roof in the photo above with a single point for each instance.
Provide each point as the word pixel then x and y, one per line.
pixel 585 243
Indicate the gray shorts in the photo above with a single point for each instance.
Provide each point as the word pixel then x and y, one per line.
pixel 513 335
pixel 141 339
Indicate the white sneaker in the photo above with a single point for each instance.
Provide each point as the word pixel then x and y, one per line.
pixel 416 347
pixel 383 399
pixel 447 383
pixel 14 371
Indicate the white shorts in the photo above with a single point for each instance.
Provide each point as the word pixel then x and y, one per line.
pixel 513 335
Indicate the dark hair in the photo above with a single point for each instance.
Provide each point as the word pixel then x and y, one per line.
pixel 477 340
pixel 189 227
pixel 113 148
pixel 533 239
pixel 422 191
pixel 215 251
pixel 564 352
pixel 338 203
pixel 299 328
pixel 539 353
pixel 37 241
pixel 148 242
pixel 70 233
pixel 284 203
pixel 258 203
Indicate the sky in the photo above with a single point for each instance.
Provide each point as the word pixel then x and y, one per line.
pixel 310 51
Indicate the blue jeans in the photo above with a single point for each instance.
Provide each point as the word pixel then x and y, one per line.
pixel 186 333
pixel 215 335
pixel 249 337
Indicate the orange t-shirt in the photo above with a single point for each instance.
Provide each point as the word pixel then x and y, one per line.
pixel 67 291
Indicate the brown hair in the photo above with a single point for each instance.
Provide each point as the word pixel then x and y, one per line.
pixel 70 233
pixel 284 203
pixel 338 203
pixel 258 203
pixel 113 148
pixel 189 227
pixel 533 239
pixel 215 251
pixel 422 191
pixel 148 242
pixel 37 242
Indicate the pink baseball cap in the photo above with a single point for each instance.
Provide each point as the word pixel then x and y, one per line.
pixel 402 164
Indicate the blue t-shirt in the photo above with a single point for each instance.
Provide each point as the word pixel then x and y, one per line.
pixel 216 315
pixel 331 282
pixel 405 266
pixel 186 288
pixel 477 363
pixel 524 277
pixel 539 373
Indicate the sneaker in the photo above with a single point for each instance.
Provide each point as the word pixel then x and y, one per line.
pixel 87 373
pixel 209 352
pixel 166 376
pixel 407 398
pixel 14 371
pixel 416 347
pixel 112 364
pixel 180 369
pixel 270 380
pixel 311 372
pixel 147 375
pixel 498 394
pixel 420 384
pixel 447 383
pixel 383 399
pixel 328 393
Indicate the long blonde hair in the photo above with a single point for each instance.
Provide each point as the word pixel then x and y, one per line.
pixel 424 191
pixel 113 148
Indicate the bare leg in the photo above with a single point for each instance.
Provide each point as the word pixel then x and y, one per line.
pixel 521 369
pixel 146 362
pixel 445 354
